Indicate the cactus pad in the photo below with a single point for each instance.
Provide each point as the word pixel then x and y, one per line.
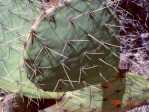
pixel 73 45
pixel 15 22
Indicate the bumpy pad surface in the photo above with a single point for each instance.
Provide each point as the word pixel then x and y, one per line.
pixel 73 45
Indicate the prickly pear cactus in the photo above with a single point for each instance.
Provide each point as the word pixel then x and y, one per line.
pixel 15 21
pixel 73 45
pixel 70 47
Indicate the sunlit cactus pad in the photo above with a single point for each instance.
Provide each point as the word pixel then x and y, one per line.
pixel 16 18
pixel 73 45
pixel 118 98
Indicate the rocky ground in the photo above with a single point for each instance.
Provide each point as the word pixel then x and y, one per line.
pixel 134 20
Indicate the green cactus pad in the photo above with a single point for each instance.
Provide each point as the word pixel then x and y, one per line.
pixel 15 22
pixel 73 45
pixel 122 94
